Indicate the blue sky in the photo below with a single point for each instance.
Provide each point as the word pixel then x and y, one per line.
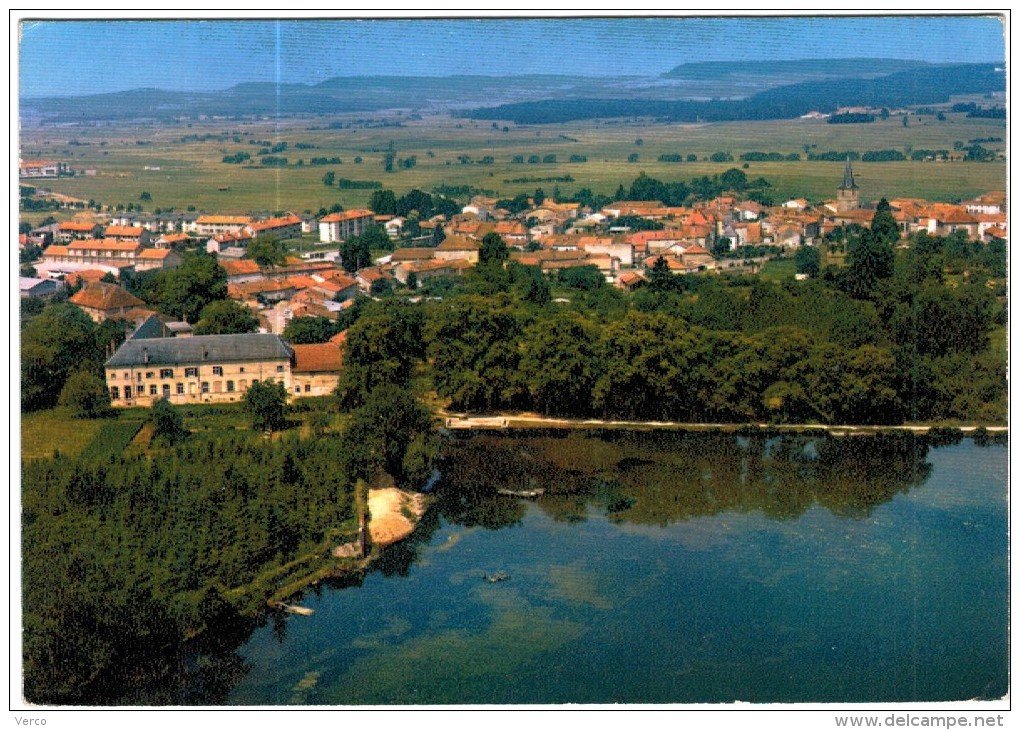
pixel 87 56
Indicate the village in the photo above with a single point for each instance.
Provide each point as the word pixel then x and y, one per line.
pixel 162 360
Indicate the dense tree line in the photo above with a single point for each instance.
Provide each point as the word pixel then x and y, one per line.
pixel 881 340
pixel 124 556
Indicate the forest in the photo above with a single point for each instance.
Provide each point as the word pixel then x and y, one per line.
pixel 897 335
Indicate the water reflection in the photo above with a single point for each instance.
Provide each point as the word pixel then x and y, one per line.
pixel 664 477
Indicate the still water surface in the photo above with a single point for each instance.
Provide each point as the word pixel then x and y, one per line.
pixel 671 568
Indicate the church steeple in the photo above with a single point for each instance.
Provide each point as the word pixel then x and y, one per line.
pixel 848 177
pixel 848 197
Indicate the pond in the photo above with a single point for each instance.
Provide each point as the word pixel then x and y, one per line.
pixel 670 568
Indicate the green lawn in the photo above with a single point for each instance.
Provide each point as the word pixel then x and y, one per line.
pixel 46 431
pixel 778 270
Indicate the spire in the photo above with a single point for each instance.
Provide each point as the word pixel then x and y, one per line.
pixel 848 177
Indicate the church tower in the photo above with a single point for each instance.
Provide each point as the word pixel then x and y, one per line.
pixel 848 197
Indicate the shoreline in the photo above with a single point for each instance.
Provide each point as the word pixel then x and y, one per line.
pixel 462 422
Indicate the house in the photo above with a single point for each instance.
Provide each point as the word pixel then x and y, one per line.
pixel 402 255
pixel 102 301
pixel 336 285
pixel 338 227
pixel 40 168
pixel 173 240
pixel 157 258
pixel 78 230
pixel 134 234
pixel 431 269
pixel 197 369
pixel 211 225
pixel 456 248
pixel 89 252
pixel 315 369
pixel 620 250
pixel 43 288
pixel 369 276
pixel 221 241
pixel 989 203
pixel 630 281
pixel 280 228
pixel 239 272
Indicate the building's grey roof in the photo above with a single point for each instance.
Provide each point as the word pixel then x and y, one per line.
pixel 151 328
pixel 203 348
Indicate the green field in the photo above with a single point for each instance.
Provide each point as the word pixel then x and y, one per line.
pixel 192 173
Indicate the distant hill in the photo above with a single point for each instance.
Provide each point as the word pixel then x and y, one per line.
pixel 928 84
pixel 807 68
pixel 341 95
pixel 760 90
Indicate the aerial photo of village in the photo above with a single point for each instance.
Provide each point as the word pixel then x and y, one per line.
pixel 512 362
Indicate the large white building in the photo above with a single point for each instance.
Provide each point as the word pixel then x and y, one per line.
pixel 338 227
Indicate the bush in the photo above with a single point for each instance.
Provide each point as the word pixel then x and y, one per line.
pixel 86 395
pixel 168 424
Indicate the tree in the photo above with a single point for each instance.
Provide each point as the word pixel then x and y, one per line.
pixel 383 202
pixel 145 196
pixel 267 252
pixel 585 278
pixel 167 423
pixel 310 330
pixel 661 278
pixel 869 259
pixel 355 254
pixel 328 179
pixel 808 260
pixel 226 317
pixel 265 402
pixel 86 395
pixel 183 292
pixel 494 249
pixel 392 431
pixel 884 225
pixel 58 341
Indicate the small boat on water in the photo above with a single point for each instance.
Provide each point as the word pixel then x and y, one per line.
pixel 498 577
pixel 525 493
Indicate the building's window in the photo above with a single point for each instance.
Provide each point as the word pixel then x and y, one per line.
pixel 230 386
pixel 297 389
pixel 115 393
pixel 180 389
pixel 217 370
pixel 166 390
pixel 191 372
pixel 153 390
pixel 205 387
pixel 127 376
pixel 165 373
pixel 127 392
pixel 308 388
pixel 241 368
pixel 279 368
pixel 150 374
pixel 113 376
pixel 139 377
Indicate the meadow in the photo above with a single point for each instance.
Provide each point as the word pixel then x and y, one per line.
pixel 181 165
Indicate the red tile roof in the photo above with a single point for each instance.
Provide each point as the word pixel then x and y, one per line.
pixel 100 295
pixel 124 231
pixel 322 358
pixel 347 215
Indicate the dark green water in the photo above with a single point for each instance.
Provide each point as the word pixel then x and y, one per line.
pixel 671 569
